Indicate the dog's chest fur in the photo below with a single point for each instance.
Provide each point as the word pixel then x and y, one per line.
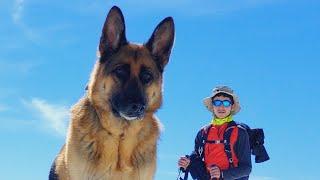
pixel 96 151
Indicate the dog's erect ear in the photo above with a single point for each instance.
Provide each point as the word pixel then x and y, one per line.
pixel 113 33
pixel 161 42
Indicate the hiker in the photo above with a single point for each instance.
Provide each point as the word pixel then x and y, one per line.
pixel 222 148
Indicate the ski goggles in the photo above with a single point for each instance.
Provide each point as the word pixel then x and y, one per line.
pixel 225 103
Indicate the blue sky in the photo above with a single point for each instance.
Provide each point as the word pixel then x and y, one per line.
pixel 266 50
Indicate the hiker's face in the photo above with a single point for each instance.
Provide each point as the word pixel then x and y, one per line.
pixel 222 111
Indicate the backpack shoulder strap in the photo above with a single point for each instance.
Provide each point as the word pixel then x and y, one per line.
pixel 203 138
pixel 205 132
pixel 244 127
pixel 227 143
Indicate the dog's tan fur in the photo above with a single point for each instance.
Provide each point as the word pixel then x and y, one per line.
pixel 101 145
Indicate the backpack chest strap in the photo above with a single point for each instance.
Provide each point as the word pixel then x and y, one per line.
pixel 216 141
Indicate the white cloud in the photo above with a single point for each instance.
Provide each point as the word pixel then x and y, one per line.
pixel 17 18
pixel 53 116
pixel 17 11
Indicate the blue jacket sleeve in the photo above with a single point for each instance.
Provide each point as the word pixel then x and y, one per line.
pixel 197 144
pixel 242 150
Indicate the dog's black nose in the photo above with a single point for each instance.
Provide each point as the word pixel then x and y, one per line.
pixel 136 108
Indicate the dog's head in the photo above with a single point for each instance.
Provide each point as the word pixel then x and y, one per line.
pixel 127 78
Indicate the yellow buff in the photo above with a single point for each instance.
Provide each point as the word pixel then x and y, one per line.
pixel 218 121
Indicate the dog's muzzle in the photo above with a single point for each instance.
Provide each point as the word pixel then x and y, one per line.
pixel 133 111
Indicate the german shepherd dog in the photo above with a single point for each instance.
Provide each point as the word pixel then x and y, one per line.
pixel 113 131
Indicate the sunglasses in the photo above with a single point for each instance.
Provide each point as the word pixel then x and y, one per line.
pixel 225 103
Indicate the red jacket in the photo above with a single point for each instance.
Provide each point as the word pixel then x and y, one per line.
pixel 214 149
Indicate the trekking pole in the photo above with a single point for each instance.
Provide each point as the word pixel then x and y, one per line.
pixel 181 169
pixel 180 174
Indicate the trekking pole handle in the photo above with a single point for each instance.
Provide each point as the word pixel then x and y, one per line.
pixel 181 168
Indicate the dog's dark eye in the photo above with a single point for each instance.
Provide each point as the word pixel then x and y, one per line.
pixel 146 77
pixel 122 72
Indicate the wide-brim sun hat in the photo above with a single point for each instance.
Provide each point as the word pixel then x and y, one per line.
pixel 223 89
